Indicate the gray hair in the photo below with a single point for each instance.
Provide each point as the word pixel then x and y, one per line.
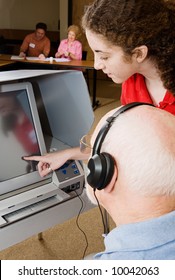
pixel 142 142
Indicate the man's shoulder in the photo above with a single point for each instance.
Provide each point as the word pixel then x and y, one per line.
pixel 46 38
pixel 30 35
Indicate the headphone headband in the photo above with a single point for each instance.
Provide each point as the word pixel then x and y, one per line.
pixel 101 165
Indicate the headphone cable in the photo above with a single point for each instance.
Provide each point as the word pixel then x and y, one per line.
pixel 103 217
pixel 77 223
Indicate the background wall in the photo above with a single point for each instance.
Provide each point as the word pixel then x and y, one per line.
pixel 63 18
pixel 22 14
pixel 78 8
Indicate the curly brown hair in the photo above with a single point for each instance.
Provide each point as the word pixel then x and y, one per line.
pixel 132 23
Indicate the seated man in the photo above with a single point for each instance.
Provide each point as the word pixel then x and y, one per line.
pixel 132 175
pixel 36 44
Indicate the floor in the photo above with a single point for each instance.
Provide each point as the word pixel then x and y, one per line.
pixel 67 241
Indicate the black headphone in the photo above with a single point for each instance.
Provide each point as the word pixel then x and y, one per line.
pixel 101 165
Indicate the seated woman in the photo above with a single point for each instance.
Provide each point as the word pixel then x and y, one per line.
pixel 70 48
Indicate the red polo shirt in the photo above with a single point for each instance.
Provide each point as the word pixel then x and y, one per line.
pixel 135 90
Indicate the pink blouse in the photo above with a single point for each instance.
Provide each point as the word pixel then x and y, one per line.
pixel 75 48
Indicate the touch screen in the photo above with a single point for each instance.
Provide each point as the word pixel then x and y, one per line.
pixel 20 135
pixel 17 135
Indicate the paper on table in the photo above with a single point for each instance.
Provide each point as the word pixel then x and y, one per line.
pixel 62 59
pixel 32 58
pixel 16 57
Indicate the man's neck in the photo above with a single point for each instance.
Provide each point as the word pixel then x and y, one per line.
pixel 135 208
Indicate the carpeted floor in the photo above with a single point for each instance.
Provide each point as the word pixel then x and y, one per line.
pixel 62 242
pixel 67 241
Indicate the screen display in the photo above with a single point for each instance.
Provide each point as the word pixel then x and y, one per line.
pixel 18 136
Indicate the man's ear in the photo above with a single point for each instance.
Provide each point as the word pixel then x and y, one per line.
pixel 109 188
pixel 140 53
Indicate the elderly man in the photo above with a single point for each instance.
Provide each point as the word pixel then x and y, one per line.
pixel 132 175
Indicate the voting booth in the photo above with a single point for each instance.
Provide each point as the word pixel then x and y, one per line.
pixel 40 111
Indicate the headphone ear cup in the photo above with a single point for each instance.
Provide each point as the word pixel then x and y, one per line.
pixel 101 167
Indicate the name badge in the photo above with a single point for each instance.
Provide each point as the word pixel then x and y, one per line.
pixel 32 45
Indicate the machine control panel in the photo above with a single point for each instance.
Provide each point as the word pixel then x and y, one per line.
pixel 67 171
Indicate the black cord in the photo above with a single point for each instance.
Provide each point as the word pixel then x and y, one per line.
pixel 77 223
pixel 105 226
